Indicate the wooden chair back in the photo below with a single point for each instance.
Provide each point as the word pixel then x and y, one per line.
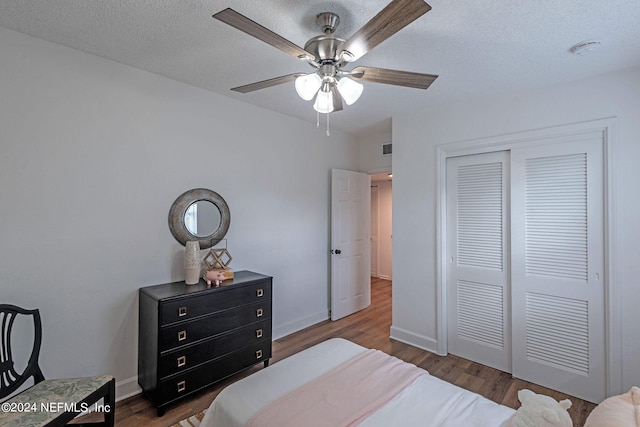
pixel 10 379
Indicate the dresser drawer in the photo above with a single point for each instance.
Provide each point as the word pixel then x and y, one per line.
pixel 194 306
pixel 189 332
pixel 189 357
pixel 182 384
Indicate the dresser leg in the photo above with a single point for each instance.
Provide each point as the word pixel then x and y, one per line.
pixel 266 363
pixel 160 411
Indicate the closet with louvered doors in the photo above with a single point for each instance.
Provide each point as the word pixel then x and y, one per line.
pixel 525 251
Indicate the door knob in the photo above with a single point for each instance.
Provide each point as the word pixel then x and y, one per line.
pixel 338 251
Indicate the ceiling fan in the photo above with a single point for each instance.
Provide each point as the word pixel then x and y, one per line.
pixel 330 83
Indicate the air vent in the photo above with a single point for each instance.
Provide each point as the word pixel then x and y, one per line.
pixel 386 149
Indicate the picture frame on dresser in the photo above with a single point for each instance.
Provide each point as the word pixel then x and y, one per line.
pixel 191 337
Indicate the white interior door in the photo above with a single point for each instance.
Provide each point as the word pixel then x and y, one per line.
pixel 350 245
pixel 374 230
pixel 478 268
pixel 558 265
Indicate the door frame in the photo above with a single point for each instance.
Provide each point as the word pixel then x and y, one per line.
pixel 613 303
pixel 375 255
pixel 377 171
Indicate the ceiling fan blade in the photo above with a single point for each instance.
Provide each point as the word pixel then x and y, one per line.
pixel 242 23
pixel 393 77
pixel 337 99
pixel 267 83
pixel 394 17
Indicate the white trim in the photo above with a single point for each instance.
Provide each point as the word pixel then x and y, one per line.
pixel 411 338
pixel 127 388
pixel 375 255
pixel 441 246
pixel 524 139
pixel 612 268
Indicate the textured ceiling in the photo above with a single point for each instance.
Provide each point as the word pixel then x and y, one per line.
pixel 478 48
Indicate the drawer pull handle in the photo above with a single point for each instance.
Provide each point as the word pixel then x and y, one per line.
pixel 182 360
pixel 182 311
pixel 182 335
pixel 259 312
pixel 259 292
pixel 258 354
pixel 259 333
pixel 182 386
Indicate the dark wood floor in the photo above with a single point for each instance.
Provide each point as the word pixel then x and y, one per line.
pixel 369 328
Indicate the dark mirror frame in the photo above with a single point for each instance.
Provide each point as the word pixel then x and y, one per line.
pixel 179 208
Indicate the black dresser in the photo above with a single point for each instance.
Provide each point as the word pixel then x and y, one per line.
pixel 191 336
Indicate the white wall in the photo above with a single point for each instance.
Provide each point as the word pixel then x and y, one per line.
pixel 385 265
pixel 414 191
pixel 93 154
pixel 371 158
pixel 372 161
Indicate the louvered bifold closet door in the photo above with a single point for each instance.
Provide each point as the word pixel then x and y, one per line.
pixel 557 265
pixel 477 274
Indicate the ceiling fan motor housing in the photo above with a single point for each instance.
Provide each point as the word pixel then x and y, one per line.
pixel 327 21
pixel 324 48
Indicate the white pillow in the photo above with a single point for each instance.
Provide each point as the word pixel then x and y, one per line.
pixel 617 411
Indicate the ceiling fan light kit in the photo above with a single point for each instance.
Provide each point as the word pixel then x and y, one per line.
pixel 308 85
pixel 312 85
pixel 350 90
pixel 330 84
pixel 324 100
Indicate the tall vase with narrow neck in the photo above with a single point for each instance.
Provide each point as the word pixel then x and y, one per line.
pixel 192 262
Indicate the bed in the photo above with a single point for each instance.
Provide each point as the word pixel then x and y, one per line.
pixel 426 401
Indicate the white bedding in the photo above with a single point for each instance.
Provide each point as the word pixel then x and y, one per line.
pixel 428 401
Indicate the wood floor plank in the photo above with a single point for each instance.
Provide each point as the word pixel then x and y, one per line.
pixel 369 328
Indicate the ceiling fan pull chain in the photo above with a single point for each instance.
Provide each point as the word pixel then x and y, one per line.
pixel 328 133
pixel 317 119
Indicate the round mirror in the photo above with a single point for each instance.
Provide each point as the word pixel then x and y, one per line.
pixel 202 218
pixel 201 215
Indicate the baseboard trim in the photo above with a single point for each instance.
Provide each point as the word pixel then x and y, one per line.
pixel 297 325
pixel 127 388
pixel 416 340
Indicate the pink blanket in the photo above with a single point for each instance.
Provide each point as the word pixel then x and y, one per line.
pixel 343 396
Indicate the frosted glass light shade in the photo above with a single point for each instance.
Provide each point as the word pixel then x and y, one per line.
pixel 349 90
pixel 324 102
pixel 308 85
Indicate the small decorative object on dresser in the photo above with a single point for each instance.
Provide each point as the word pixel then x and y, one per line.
pixel 191 337
pixel 215 277
pixel 192 263
pixel 216 264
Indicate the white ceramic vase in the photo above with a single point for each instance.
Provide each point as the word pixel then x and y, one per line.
pixel 192 262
